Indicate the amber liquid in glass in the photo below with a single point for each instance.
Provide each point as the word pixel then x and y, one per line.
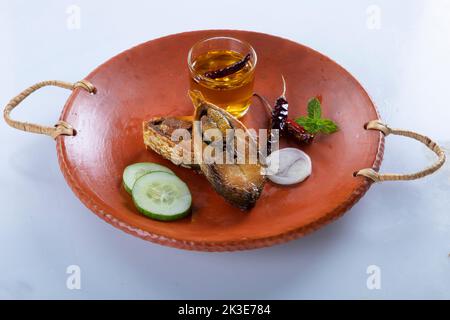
pixel 233 92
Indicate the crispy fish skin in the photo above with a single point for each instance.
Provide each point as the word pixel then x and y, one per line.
pixel 240 184
pixel 229 182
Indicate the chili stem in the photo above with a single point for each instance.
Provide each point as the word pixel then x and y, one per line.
pixel 283 95
pixel 265 103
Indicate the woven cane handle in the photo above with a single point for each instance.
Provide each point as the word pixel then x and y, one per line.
pixel 61 127
pixel 378 177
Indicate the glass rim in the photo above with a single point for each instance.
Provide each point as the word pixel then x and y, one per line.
pixel 248 45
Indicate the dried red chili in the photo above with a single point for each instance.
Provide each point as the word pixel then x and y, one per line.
pixel 298 132
pixel 280 121
pixel 235 67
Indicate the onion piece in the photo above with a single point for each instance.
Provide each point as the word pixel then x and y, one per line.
pixel 288 166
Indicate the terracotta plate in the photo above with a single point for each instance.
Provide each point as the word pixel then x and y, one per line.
pixel 152 79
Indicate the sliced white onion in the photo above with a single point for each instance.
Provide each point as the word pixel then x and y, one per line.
pixel 288 166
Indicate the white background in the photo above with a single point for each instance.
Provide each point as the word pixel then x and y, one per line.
pixel 404 227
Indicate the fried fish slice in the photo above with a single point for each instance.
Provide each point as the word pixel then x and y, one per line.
pixel 158 137
pixel 240 184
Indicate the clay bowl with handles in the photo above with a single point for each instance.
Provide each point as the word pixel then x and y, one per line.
pixel 99 133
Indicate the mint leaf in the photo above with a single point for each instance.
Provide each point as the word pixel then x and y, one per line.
pixel 309 124
pixel 302 121
pixel 314 108
pixel 314 126
pixel 327 126
pixel 313 123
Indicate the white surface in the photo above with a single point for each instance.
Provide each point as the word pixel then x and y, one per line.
pixel 404 228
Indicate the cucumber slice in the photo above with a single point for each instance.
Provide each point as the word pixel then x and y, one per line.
pixel 162 196
pixel 137 170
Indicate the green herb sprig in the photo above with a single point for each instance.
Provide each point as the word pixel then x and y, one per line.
pixel 313 122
